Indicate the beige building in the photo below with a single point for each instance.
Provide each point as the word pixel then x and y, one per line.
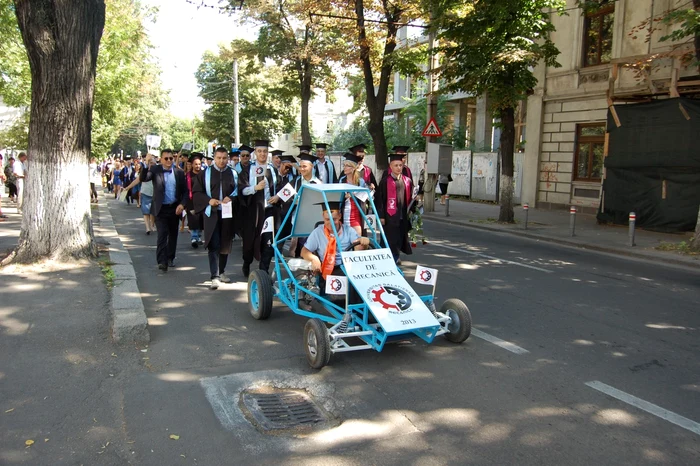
pixel 566 115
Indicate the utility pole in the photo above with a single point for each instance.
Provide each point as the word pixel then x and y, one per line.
pixel 431 179
pixel 236 125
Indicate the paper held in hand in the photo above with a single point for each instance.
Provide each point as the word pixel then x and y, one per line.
pixel 426 276
pixel 287 192
pixel 122 196
pixel 268 225
pixel 227 210
pixel 336 284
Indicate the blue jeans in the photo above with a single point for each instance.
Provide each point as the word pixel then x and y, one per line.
pixel 195 235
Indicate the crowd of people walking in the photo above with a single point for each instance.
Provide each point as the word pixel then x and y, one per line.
pixel 232 193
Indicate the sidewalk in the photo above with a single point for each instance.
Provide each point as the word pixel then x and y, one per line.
pixel 61 377
pixel 553 226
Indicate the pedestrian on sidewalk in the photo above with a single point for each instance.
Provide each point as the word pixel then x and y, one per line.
pixel 169 199
pixel 20 170
pixel 10 179
pixel 2 180
pixel 444 180
pixel 212 190
pixel 95 178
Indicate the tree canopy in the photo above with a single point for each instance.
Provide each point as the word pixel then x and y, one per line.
pixel 266 99
pixel 126 86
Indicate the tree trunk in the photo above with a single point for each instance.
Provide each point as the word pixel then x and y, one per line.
pixel 507 148
pixel 376 99
pixel 305 99
pixel 696 5
pixel 62 39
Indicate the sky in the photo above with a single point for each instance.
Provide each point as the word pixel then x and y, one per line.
pixel 181 34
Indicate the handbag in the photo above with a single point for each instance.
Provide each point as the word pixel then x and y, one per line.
pixel 449 178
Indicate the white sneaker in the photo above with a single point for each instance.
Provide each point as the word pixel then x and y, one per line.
pixel 214 284
pixel 224 279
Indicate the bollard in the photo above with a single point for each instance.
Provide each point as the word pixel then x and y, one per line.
pixel 447 205
pixel 572 220
pixel 633 222
pixel 526 208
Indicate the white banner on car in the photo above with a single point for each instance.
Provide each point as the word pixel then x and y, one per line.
pixel 386 292
pixel 336 284
pixel 287 192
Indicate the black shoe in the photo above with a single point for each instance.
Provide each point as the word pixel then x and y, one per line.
pixel 171 263
pixel 246 270
pixel 195 244
pixel 148 232
pixel 163 267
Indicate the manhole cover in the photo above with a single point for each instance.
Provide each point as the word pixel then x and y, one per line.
pixel 279 410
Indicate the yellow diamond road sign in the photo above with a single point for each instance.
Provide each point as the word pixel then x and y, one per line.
pixel 432 129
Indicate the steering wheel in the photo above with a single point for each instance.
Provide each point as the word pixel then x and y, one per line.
pixel 357 243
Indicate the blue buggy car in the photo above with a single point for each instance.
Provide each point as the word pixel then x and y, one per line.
pixel 389 309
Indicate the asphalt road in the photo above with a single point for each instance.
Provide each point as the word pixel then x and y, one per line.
pixel 571 325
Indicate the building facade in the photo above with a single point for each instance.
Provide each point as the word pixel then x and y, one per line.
pixel 605 59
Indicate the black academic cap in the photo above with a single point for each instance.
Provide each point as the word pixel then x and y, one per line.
pixel 233 152
pixel 288 159
pixel 277 152
pixel 194 156
pixel 357 147
pixel 245 148
pixel 352 157
pixel 261 143
pixel 395 157
pixel 321 145
pixel 400 149
pixel 208 157
pixel 127 157
pixel 333 205
pixel 308 157
pixel 304 148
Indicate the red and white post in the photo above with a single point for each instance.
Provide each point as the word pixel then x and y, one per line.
pixel 633 223
pixel 526 208
pixel 572 220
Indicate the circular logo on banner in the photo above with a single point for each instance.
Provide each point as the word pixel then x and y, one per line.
pixel 259 170
pixel 266 225
pixel 370 221
pixel 425 275
pixel 391 297
pixel 336 285
pixel 286 192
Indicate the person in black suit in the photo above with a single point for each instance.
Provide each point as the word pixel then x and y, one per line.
pixel 169 199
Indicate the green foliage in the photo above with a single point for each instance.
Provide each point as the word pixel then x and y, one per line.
pixel 267 102
pixel 126 88
pixel 415 115
pixel 689 20
pixel 493 45
pixel 17 134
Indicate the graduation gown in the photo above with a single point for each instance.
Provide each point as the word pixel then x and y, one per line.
pixel 367 175
pixel 252 207
pixel 397 226
pixel 330 171
pixel 194 219
pixel 222 184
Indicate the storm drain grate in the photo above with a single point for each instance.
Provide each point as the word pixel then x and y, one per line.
pixel 282 410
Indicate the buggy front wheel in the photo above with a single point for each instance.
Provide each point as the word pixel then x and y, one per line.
pixel 317 344
pixel 460 326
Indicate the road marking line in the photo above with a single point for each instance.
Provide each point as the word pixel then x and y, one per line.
pixel 650 408
pixel 506 345
pixel 434 243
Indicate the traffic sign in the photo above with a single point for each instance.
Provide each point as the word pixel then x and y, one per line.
pixel 432 129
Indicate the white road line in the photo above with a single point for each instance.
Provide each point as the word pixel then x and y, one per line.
pixel 650 408
pixel 478 254
pixel 506 345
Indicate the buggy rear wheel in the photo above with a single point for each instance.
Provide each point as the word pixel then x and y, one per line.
pixel 317 344
pixel 461 325
pixel 259 294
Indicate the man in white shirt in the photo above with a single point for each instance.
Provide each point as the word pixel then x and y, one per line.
pixel 324 169
pixel 20 170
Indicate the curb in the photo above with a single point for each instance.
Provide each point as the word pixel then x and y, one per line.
pixel 129 321
pixel 592 247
